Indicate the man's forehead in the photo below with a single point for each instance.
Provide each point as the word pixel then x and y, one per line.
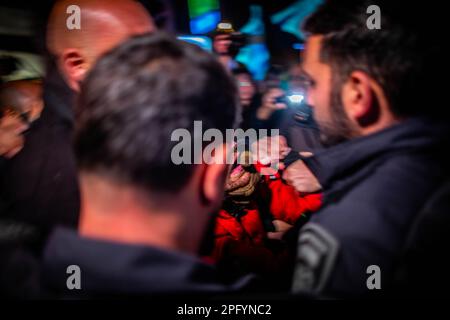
pixel 311 55
pixel 312 48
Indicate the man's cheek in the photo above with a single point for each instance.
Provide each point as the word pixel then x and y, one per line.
pixel 318 115
pixel 319 110
pixel 310 98
pixel 323 105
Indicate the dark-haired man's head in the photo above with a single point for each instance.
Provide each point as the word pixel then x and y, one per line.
pixel 103 25
pixel 362 80
pixel 133 100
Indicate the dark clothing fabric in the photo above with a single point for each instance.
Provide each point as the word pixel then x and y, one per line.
pixel 111 269
pixel 374 187
pixel 425 264
pixel 39 186
pixel 19 272
pixel 59 98
pixel 273 122
pixel 300 130
pixel 249 120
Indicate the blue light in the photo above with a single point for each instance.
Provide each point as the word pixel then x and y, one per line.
pixel 256 58
pixel 255 55
pixel 293 16
pixel 298 46
pixel 201 41
pixel 205 23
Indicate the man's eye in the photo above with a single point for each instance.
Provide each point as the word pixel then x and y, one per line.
pixel 308 82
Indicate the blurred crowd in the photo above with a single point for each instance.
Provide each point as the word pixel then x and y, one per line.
pixel 92 205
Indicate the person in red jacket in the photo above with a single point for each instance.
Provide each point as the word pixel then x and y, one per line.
pixel 256 212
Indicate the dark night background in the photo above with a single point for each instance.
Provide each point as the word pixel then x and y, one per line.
pixel 22 23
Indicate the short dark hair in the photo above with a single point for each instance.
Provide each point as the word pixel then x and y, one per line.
pixel 403 57
pixel 136 96
pixel 240 69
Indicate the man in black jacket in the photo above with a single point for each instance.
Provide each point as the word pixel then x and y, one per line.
pixel 376 97
pixel 143 215
pixel 39 186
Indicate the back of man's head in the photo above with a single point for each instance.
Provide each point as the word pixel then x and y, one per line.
pixel 136 96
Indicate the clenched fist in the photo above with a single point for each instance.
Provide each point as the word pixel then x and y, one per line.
pixel 301 178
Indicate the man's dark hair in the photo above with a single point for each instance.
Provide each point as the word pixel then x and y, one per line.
pixel 240 69
pixel 136 96
pixel 405 56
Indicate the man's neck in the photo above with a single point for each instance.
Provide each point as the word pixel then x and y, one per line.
pixel 120 214
pixel 385 122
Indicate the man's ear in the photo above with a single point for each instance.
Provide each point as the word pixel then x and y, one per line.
pixel 74 66
pixel 213 178
pixel 359 100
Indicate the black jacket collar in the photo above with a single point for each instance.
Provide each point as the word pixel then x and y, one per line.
pixel 358 156
pixel 115 268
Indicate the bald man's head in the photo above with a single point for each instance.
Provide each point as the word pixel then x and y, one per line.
pixel 104 24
